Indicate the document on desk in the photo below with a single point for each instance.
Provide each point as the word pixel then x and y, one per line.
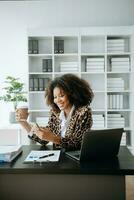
pixel 43 156
pixel 9 152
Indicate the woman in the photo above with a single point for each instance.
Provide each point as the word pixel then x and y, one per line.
pixel 69 97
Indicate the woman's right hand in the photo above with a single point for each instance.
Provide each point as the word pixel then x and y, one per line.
pixel 21 115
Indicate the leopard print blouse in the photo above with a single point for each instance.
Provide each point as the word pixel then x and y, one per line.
pixel 80 121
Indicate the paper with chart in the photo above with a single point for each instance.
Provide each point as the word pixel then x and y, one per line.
pixel 43 156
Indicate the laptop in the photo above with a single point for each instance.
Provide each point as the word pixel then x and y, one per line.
pixel 98 144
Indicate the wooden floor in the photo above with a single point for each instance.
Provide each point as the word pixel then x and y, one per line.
pixel 129 187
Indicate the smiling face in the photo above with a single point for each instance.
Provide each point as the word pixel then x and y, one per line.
pixel 61 100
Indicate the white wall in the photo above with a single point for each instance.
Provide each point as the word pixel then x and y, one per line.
pixel 17 17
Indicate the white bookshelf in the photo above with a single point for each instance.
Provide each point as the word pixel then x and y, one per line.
pixel 86 46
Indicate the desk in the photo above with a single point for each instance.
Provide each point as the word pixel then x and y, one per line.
pixel 66 179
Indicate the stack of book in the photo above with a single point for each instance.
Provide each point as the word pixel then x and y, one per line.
pixel 120 64
pixel 47 65
pixel 98 121
pixel 69 67
pixel 33 47
pixel 115 45
pixel 8 153
pixel 115 84
pixel 58 46
pixel 115 101
pixel 95 65
pixel 38 84
pixel 115 121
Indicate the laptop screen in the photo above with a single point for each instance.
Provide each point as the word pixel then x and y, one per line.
pixel 98 144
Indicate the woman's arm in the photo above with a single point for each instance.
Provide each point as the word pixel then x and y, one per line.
pixel 21 117
pixel 26 126
pixel 72 140
pixel 47 135
pixel 50 133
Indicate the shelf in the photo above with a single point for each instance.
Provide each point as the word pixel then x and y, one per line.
pixel 118 110
pixel 119 54
pixel 112 91
pixel 92 73
pixel 65 54
pixel 36 92
pixel 93 54
pixel 98 110
pixel 84 51
pixel 40 73
pixel 97 91
pixel 118 72
pixel 39 55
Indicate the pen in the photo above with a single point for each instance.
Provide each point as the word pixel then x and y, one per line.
pixel 45 156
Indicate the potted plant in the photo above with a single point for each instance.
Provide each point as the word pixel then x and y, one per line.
pixel 14 92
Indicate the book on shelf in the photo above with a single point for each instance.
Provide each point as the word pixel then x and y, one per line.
pixel 31 84
pixel 115 45
pixel 120 59
pixel 114 115
pixel 46 81
pixel 120 64
pixel 97 64
pixel 49 68
pixel 95 70
pixel 44 65
pixel 115 84
pixel 9 152
pixel 115 120
pixel 30 46
pixel 120 69
pixel 36 84
pixel 59 46
pixel 56 46
pixel 95 59
pixel 35 48
pixel 112 45
pixel 98 121
pixel 41 84
pixel 69 66
pixel 115 101
pixel 115 41
pixel 47 65
pixel 115 48
pixel 94 64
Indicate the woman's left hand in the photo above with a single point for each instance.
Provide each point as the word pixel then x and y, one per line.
pixel 46 134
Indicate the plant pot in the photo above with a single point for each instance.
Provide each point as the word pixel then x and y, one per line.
pixel 12 118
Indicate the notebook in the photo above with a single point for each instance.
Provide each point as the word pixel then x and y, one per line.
pixel 98 144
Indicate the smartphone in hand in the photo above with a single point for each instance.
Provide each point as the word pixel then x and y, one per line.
pixel 37 125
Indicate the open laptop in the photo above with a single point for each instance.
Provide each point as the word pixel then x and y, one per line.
pixel 98 144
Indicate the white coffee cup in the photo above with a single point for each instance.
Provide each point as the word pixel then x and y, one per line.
pixel 24 112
